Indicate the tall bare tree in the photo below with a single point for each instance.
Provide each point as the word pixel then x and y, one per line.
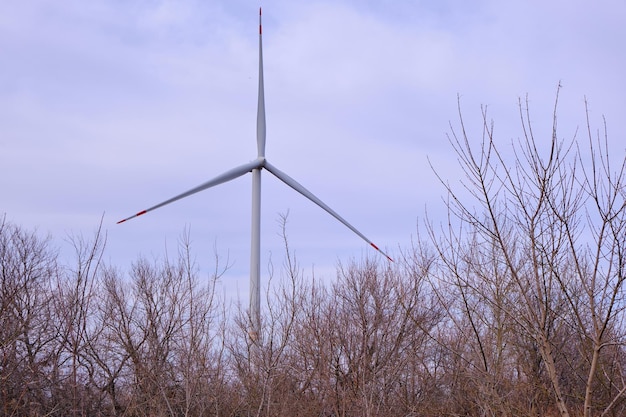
pixel 546 230
pixel 27 337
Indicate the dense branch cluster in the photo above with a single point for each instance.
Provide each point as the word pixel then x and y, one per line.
pixel 514 307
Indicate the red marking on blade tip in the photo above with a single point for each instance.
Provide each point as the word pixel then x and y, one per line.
pixel 387 256
pixel 121 221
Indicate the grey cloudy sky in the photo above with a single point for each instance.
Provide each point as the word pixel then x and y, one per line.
pixel 111 106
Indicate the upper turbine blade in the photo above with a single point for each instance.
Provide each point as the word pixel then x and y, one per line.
pixel 260 117
pixel 227 176
pixel 299 188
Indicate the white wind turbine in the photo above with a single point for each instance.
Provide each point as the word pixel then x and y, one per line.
pixel 255 167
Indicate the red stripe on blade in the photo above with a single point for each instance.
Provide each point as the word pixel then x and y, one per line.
pixel 376 247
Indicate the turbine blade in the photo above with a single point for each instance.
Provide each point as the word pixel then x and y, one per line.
pixel 260 117
pixel 299 188
pixel 227 176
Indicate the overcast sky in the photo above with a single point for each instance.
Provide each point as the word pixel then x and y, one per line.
pixel 109 107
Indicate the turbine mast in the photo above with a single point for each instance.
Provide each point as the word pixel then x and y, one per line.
pixel 255 244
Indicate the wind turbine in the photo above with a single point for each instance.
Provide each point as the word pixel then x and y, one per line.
pixel 256 167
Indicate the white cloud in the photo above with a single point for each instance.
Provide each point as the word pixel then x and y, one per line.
pixel 109 105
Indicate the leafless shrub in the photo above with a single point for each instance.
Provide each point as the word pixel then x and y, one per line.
pixel 537 264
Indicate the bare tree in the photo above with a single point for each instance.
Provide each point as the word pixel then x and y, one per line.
pixel 264 365
pixel 548 228
pixel 27 337
pixel 74 293
pixel 160 346
pixel 364 341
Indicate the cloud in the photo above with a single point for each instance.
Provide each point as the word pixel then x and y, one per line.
pixel 109 106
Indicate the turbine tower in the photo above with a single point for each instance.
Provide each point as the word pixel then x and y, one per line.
pixel 256 167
